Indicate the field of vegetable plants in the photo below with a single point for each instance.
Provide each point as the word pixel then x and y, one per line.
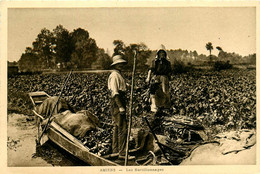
pixel 220 100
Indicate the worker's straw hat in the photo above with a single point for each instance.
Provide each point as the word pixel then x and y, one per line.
pixel 118 59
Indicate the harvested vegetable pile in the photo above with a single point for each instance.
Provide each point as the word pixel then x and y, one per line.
pixel 221 100
pixel 99 142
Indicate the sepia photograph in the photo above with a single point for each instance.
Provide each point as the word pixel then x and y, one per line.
pixel 143 86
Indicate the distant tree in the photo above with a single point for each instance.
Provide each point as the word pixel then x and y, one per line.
pixel 89 54
pixel 143 54
pixel 234 58
pixel 84 49
pixel 185 55
pixel 78 36
pixel 29 61
pixel 209 47
pixel 222 54
pixel 128 53
pixel 195 54
pixel 44 47
pixel 119 47
pixel 175 55
pixel 249 59
pixel 202 57
pixel 252 58
pixel 63 47
pixel 219 48
pixel 178 55
pixel 190 57
pixel 75 60
pixel 231 57
pixel 103 60
pixel 28 50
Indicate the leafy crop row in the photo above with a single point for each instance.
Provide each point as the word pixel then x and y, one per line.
pixel 221 100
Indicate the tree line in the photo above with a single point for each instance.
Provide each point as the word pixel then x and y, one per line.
pixel 62 49
pixel 233 58
pixel 65 50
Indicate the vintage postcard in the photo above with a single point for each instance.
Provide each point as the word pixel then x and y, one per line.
pixel 129 87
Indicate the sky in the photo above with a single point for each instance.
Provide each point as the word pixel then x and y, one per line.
pixel 187 28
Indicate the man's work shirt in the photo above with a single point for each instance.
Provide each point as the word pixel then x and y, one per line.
pixel 116 83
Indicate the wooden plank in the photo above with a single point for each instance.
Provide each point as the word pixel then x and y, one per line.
pixel 81 153
pixel 33 95
pixel 38 93
pixel 34 105
pixel 67 134
pixel 38 102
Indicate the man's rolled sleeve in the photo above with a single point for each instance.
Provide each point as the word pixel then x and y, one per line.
pixel 114 87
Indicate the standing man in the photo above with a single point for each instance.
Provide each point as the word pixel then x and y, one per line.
pixel 117 88
pixel 158 77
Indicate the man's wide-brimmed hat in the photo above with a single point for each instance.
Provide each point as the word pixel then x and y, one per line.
pixel 118 59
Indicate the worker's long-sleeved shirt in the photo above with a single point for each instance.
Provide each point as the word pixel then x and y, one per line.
pixel 116 83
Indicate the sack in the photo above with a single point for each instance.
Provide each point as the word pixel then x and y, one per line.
pixel 77 124
pixel 48 104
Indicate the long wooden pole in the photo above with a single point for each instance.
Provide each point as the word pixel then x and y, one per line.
pixel 130 109
pixel 156 140
pixel 46 126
